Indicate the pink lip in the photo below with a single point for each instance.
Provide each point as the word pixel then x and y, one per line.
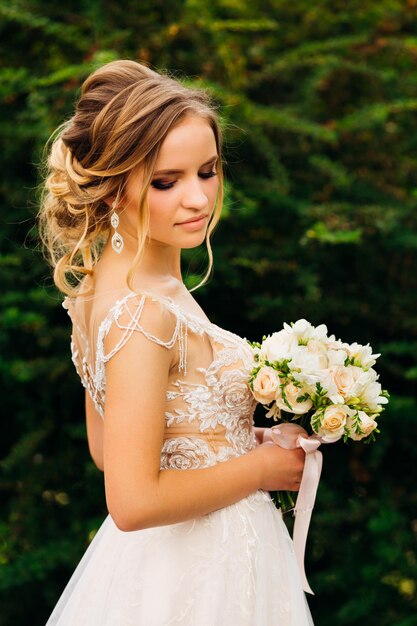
pixel 194 219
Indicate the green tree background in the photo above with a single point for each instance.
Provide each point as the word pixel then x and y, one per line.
pixel 319 102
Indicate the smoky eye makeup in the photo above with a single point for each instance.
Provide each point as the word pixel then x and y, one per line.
pixel 161 184
pixel 157 184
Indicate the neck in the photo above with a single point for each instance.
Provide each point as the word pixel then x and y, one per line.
pixel 160 260
pixel 160 264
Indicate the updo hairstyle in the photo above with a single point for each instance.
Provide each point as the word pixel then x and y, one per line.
pixel 121 119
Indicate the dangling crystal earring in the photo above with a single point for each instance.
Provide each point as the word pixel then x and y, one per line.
pixel 117 242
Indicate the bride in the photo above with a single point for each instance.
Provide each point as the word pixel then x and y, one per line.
pixel 192 536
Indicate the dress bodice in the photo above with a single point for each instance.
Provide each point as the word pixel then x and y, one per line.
pixel 209 407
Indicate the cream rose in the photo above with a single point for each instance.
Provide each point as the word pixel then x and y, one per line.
pixel 292 392
pixel 265 385
pixel 308 361
pixel 344 380
pixel 340 382
pixel 366 424
pixel 278 346
pixel 333 422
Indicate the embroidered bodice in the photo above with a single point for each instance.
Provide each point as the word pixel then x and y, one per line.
pixel 209 407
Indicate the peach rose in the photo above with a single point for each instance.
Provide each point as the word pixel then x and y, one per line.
pixel 344 379
pixel 367 425
pixel 333 422
pixel 292 392
pixel 265 385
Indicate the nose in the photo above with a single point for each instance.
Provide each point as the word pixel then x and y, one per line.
pixel 194 196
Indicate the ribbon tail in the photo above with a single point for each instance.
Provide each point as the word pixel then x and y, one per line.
pixel 304 507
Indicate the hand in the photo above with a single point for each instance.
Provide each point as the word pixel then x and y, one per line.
pixel 266 435
pixel 259 433
pixel 262 434
pixel 280 469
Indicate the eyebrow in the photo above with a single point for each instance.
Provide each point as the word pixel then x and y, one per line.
pixel 159 172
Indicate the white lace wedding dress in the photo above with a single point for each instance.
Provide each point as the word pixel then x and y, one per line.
pixel 232 567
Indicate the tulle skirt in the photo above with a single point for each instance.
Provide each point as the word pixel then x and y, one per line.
pixel 234 566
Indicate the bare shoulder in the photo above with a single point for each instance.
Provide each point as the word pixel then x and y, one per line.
pixel 140 313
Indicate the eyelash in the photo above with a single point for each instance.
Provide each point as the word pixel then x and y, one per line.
pixel 161 186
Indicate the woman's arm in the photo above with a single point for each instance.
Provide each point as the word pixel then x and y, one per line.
pixel 139 494
pixel 94 424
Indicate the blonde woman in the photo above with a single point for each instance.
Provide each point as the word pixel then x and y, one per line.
pixel 192 536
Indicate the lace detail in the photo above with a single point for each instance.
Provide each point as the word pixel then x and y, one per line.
pixel 224 401
pixel 209 409
pixel 186 453
pixel 180 573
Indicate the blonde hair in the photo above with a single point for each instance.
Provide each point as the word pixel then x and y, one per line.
pixel 121 119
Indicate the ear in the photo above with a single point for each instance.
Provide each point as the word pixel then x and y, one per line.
pixel 109 201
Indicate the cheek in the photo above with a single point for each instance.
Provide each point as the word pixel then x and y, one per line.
pixel 213 189
pixel 162 207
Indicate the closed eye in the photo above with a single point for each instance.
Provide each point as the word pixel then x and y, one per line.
pixel 158 184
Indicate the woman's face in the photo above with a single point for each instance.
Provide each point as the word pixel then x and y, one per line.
pixel 184 186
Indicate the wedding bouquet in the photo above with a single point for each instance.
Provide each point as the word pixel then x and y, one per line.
pixel 329 386
pixel 320 390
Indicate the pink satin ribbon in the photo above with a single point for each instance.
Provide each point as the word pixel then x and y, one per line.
pixel 290 435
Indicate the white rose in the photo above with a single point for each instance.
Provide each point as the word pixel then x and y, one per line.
pixel 292 392
pixel 308 361
pixel 367 425
pixel 265 385
pixel 336 357
pixel 278 346
pixel 333 422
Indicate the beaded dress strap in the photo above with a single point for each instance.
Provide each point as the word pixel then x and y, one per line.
pixel 133 324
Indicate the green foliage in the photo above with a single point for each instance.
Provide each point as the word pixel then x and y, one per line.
pixel 319 112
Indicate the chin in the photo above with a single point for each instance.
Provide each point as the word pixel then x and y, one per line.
pixel 189 240
pixel 192 242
